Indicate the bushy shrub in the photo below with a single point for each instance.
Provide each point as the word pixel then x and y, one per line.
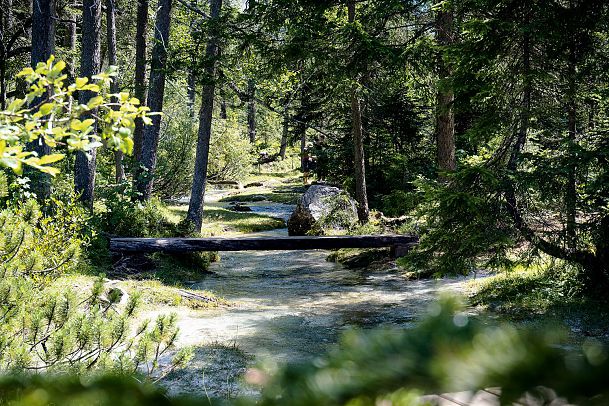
pixel 37 246
pixel 46 325
pixel 176 152
pixel 398 203
pixel 230 153
pixel 462 225
pixel 530 289
pixel 118 215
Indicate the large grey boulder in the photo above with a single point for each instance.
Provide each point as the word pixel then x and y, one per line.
pixel 322 207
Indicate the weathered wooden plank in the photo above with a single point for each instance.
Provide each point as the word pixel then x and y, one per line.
pixel 177 245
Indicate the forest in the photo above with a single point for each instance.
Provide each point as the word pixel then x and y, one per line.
pixel 476 132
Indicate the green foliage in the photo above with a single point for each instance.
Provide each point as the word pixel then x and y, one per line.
pixel 530 290
pixel 119 390
pixel 399 202
pixel 37 246
pixel 230 153
pixel 448 351
pixel 118 215
pixel 47 326
pixel 56 117
pixel 176 152
pixel 463 224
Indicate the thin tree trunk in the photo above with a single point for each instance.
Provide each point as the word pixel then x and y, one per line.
pixel 140 88
pixel 359 161
pixel 114 87
pixel 3 83
pixel 192 83
pixel 73 40
pixel 4 30
pixel 525 111
pixel 571 189
pixel 90 63
pixel 43 46
pixel 284 133
pixel 302 129
pixel 197 196
pixel 251 110
pixel 445 119
pixel 156 92
pixel 223 110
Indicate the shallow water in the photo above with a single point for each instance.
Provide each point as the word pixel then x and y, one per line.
pixel 290 306
pixel 287 306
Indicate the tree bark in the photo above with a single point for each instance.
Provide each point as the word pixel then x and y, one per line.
pixel 3 52
pixel 119 169
pixel 73 41
pixel 192 83
pixel 571 187
pixel 140 88
pixel 445 119
pixel 251 110
pixel 43 46
pixel 359 161
pixel 156 92
pixel 223 109
pixel 90 63
pixel 181 245
pixel 284 133
pixel 302 130
pixel 197 196
pixel 43 30
pixel 3 83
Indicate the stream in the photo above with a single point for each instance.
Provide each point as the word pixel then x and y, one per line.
pixel 287 306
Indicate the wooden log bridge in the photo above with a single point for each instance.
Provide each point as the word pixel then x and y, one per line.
pixel 400 243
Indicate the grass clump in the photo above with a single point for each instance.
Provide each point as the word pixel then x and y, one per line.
pixel 220 221
pixel 529 290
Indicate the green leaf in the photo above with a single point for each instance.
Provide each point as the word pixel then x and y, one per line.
pixel 95 102
pixel 49 169
pixel 80 82
pixel 46 108
pixel 49 159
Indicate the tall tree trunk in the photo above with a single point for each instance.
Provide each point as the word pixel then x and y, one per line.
pixel 140 88
pixel 43 46
pixel 119 169
pixel 445 119
pixel 525 109
pixel 251 110
pixel 571 189
pixel 73 41
pixel 90 63
pixel 156 92
pixel 199 182
pixel 4 30
pixel 359 161
pixel 2 74
pixel 284 133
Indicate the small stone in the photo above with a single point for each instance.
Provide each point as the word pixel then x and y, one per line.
pixel 240 207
